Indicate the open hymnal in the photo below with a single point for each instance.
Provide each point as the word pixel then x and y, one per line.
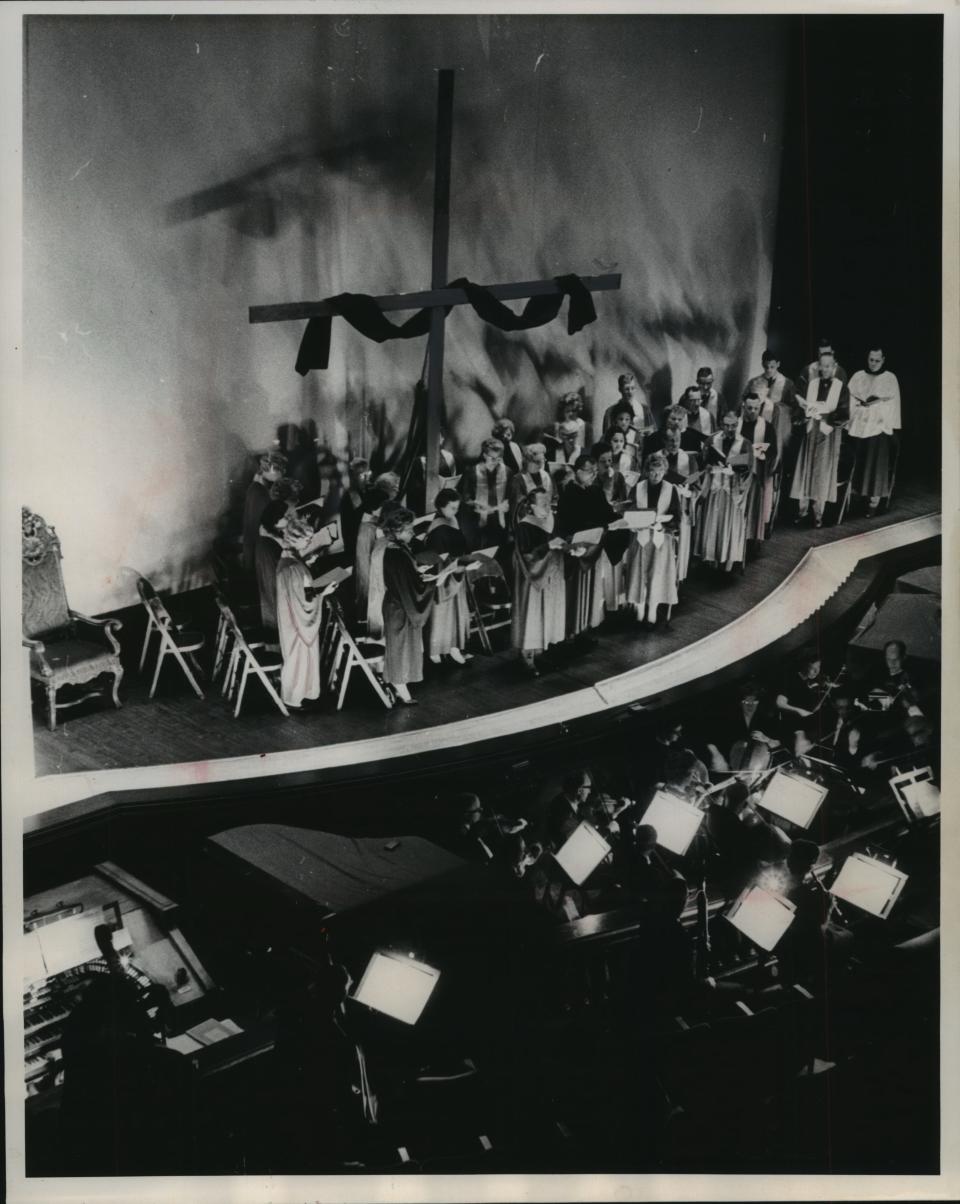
pixel 637 520
pixel 591 536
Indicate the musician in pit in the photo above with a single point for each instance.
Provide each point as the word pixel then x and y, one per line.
pixel 448 627
pixel 746 732
pixel 801 695
pixel 874 428
pixel 538 618
pixel 825 404
pixel 763 439
pixel 651 563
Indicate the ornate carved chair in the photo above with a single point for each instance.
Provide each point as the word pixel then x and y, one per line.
pixel 66 648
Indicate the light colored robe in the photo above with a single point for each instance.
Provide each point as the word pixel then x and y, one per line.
pixel 651 562
pixel 298 624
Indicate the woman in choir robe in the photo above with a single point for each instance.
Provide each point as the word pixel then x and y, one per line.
pixel 571 415
pixel 721 534
pixel 385 489
pixel 651 565
pixel 506 432
pixel 615 546
pixel 583 507
pixel 539 582
pixel 763 439
pixel 258 496
pixel 269 544
pixel 683 472
pixel 624 453
pixel 533 476
pixel 449 624
pixel 407 601
pixel 298 613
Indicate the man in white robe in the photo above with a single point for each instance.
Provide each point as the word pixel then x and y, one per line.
pixel 875 429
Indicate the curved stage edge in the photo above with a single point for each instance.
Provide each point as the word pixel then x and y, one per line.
pixel 822 572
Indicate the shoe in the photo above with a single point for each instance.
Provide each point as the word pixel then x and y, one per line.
pixel 407 702
pixel 530 668
pixel 434 660
pixel 457 656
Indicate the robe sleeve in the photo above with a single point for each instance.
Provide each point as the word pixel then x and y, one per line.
pixel 404 585
pixel 534 555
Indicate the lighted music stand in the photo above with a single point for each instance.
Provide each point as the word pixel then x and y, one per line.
pixel 871 885
pixel 397 986
pixel 793 798
pixel 581 853
pixel 917 794
pixel 676 821
pixel 762 916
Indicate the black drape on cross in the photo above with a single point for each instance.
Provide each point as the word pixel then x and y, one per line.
pixel 367 314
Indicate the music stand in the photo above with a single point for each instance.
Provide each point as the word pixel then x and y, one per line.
pixel 397 986
pixel 794 798
pixel 581 853
pixel 676 821
pixel 917 794
pixel 871 885
pixel 762 916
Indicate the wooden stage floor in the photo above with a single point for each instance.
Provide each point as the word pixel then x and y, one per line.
pixel 178 727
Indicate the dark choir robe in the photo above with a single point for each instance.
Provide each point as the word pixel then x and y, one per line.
pixel 690 441
pixel 407 602
pixel 615 545
pixel 759 504
pixel 580 509
pixel 490 488
pixel 539 588
pixel 268 552
pixel 351 512
pixel 449 624
pixel 254 504
pixel 513 457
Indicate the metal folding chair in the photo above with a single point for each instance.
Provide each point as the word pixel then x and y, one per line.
pixel 173 640
pixel 248 659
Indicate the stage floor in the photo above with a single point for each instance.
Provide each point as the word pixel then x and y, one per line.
pixel 177 727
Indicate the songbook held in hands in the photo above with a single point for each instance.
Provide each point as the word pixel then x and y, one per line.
pixel 638 520
pixel 589 538
pixel 332 577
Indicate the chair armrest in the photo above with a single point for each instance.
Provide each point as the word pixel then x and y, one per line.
pixel 108 626
pixel 38 659
pixel 33 645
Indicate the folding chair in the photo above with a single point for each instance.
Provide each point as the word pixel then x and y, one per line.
pixel 174 641
pixel 246 659
pixel 345 653
pixel 493 611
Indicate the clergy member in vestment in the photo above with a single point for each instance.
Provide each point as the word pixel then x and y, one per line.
pixel 582 507
pixel 825 405
pixel 385 489
pixel 533 476
pixel 812 370
pixel 449 623
pixel 539 582
pixel 615 545
pixel 698 416
pixel 506 432
pixel 709 397
pixel 651 563
pixel 631 394
pixel 763 439
pixel 485 489
pixel 408 596
pixel 874 426
pixel 269 471
pixel 683 469
pixel 676 418
pixel 298 613
pixel 720 538
pixel 778 403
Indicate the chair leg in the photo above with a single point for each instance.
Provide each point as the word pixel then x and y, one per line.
pixel 268 685
pixel 161 653
pixel 117 677
pixel 52 708
pixel 221 649
pixel 146 643
pixel 241 686
pixel 230 671
pixel 347 669
pixel 175 651
pixel 375 682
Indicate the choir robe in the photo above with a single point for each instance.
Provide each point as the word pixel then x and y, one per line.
pixel 407 602
pixel 480 485
pixel 651 563
pixel 449 624
pixel 367 536
pixel 720 537
pixel 615 546
pixel 513 456
pixel 268 557
pixel 643 420
pixel 351 514
pixel 778 406
pixel 580 509
pixel 298 624
pixel 759 503
pixel 680 467
pixel 523 482
pixel 815 475
pixel 873 429
pixel 539 588
pixel 254 504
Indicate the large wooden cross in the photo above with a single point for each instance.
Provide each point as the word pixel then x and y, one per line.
pixel 437 298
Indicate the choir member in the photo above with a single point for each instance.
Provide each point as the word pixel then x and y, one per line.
pixel 485 488
pixel 778 403
pixel 298 612
pixel 533 476
pixel 632 395
pixel 651 563
pixel 698 416
pixel 417 487
pixel 874 426
pixel 539 583
pixel 269 543
pixel 269 471
pixel 407 601
pixel 571 412
pixel 614 488
pixel 583 507
pixel 720 537
pixel 762 438
pixel 709 397
pixel 811 371
pixel 506 432
pixel 624 453
pixel 565 451
pixel 449 624
pixel 352 505
pixel 675 418
pixel 683 470
pixel 385 489
pixel 825 405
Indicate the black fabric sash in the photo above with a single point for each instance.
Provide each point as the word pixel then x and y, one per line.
pixel 364 315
